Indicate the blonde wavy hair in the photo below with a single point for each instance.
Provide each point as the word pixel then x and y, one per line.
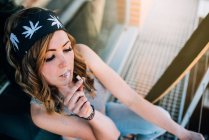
pixel 28 71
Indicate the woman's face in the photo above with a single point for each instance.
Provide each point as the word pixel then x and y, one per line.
pixel 59 60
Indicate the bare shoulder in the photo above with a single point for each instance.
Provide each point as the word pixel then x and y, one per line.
pixel 38 113
pixel 81 47
pixel 37 110
pixel 84 49
pixel 90 57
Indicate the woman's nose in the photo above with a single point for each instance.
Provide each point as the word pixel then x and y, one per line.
pixel 63 62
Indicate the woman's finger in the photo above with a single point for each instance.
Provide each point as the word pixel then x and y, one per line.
pixel 72 102
pixel 81 101
pixel 72 90
pixel 85 110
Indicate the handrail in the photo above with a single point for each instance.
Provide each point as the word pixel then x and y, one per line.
pixel 189 55
pixel 198 94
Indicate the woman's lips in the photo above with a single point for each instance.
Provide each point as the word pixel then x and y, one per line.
pixel 66 74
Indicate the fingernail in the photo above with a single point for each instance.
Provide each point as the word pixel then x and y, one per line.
pixel 78 77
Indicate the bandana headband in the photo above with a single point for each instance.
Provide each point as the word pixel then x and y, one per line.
pixel 32 28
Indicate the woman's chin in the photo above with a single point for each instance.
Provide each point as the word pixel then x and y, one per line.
pixel 61 83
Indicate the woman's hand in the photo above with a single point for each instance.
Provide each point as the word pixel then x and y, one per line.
pixel 76 101
pixel 190 135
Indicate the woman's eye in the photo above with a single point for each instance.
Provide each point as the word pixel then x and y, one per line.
pixel 50 58
pixel 67 50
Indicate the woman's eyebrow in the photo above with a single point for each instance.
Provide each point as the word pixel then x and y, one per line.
pixel 66 43
pixel 62 46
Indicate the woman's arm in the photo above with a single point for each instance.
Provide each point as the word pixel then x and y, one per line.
pixel 68 126
pixel 103 127
pixel 129 97
pixel 71 126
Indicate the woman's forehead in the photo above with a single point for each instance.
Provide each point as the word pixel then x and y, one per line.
pixel 58 39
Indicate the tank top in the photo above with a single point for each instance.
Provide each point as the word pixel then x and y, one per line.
pixel 99 101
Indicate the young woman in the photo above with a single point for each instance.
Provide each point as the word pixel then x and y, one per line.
pixel 60 75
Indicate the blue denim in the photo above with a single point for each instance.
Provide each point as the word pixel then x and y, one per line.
pixel 129 122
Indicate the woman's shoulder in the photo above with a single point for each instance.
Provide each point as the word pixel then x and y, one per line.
pixel 36 106
pixel 90 57
pixel 83 49
pixel 88 54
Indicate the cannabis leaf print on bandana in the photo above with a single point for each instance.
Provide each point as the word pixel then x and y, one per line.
pixel 55 21
pixel 30 30
pixel 14 40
